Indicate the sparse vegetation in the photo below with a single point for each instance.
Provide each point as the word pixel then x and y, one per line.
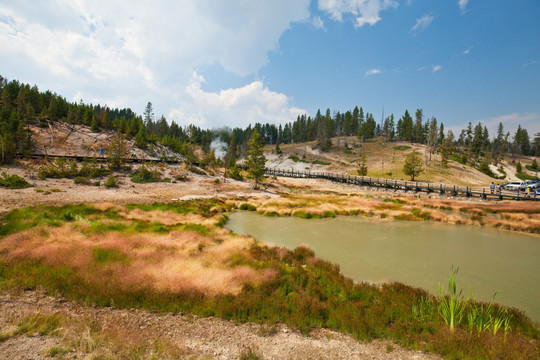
pixel 13 181
pixel 292 287
pixel 144 175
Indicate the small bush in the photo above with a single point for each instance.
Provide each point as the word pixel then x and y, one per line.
pixel 182 178
pixel 294 158
pixel 111 182
pixel 13 181
pixel 524 176
pixel 216 181
pixel 143 175
pixel 402 147
pixel 79 180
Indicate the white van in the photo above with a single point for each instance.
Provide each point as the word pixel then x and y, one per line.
pixel 516 185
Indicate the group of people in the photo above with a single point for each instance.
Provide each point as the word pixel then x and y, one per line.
pixel 494 187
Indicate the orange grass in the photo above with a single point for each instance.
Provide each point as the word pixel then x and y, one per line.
pixel 179 260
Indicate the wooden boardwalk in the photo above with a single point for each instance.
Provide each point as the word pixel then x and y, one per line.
pixel 415 186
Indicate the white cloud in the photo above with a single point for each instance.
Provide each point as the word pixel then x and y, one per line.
pixel 467 51
pixel 422 23
pixel 318 23
pixel 372 72
pixel 364 11
pixel 436 68
pixel 127 53
pixel 240 106
pixel 463 5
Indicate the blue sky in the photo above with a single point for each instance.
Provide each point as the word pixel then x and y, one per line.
pixel 230 63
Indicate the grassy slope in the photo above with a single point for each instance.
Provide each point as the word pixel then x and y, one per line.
pixel 383 159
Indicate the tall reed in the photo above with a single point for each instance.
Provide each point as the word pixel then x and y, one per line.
pixel 452 304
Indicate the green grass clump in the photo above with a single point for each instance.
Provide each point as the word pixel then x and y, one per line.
pixel 201 229
pixel 320 162
pixel 29 217
pixel 13 181
pixel 306 215
pixel 402 147
pixel 102 256
pixel 39 324
pixel 248 207
pixel 419 213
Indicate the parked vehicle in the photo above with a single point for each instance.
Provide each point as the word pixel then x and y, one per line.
pixel 516 185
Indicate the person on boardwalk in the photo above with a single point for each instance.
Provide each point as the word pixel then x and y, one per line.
pixel 101 151
pixel 492 187
pixel 133 155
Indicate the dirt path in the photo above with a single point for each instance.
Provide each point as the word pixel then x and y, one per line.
pixel 174 336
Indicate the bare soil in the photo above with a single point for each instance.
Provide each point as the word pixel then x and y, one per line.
pixel 179 336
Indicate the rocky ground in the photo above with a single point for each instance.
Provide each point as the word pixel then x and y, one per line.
pixel 178 336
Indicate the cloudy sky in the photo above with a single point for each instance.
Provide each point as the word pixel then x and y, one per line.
pixel 235 62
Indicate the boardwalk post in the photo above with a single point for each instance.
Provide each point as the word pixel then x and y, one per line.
pixel 484 193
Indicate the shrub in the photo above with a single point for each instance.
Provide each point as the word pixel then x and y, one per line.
pixel 402 147
pixel 182 178
pixel 13 181
pixel 234 173
pixel 111 182
pixel 80 180
pixel 524 176
pixel 294 158
pixel 143 175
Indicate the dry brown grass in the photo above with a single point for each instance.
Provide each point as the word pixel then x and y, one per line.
pixel 175 261
pixel 515 216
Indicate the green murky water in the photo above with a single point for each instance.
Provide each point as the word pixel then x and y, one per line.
pixel 416 253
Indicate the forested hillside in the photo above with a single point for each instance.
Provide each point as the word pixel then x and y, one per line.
pixel 23 104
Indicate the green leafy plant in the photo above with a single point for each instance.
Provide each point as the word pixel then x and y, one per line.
pixel 451 304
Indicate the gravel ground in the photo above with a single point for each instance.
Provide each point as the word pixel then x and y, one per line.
pixel 193 337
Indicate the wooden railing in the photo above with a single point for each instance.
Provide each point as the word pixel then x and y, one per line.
pixel 416 186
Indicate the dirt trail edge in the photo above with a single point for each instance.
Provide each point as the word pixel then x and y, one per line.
pixel 192 337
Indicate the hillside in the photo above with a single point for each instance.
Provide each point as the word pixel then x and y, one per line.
pixel 384 160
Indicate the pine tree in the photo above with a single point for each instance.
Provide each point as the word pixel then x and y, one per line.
pixel 413 165
pixel 256 161
pixel 118 152
pixel 362 167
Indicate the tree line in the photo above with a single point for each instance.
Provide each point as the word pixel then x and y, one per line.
pixel 22 105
